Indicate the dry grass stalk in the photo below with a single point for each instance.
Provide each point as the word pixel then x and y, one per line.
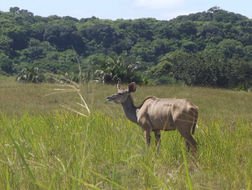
pixel 71 86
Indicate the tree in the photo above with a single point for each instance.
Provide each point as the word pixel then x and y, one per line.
pixel 103 34
pixel 187 28
pixel 161 73
pixel 189 46
pixel 6 64
pixel 116 68
pixel 34 50
pixel 19 36
pixel 205 48
pixel 5 44
pixel 30 74
pixel 240 74
pixel 248 53
pixel 230 47
pixel 144 50
pixel 212 32
pixel 63 34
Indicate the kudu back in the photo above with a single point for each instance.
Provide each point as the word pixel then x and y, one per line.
pixel 156 114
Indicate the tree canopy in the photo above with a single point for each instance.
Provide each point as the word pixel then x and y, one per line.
pixel 212 48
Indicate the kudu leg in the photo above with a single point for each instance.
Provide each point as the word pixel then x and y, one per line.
pixel 190 142
pixel 147 134
pixel 157 139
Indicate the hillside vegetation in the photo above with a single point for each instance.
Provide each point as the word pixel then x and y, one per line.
pixel 211 48
pixel 44 147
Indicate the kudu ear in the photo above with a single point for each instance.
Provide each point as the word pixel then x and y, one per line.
pixel 132 87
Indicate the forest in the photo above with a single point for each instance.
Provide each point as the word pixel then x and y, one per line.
pixel 211 48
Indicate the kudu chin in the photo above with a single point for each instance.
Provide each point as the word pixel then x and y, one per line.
pixel 156 114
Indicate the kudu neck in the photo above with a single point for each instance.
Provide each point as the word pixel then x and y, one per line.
pixel 130 109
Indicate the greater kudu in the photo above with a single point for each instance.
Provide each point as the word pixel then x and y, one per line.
pixel 156 114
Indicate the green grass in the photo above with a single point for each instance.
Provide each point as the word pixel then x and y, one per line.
pixel 45 147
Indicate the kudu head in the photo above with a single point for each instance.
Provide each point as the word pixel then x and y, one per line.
pixel 122 94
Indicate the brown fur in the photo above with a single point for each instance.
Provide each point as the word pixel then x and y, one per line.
pixel 156 114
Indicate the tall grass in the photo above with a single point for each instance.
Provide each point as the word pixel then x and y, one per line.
pixel 60 150
pixel 63 151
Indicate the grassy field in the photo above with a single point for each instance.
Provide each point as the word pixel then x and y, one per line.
pixel 42 146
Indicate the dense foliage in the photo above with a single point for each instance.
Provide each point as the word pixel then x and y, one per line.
pixel 211 48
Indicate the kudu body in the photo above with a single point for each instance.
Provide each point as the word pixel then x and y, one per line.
pixel 156 114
